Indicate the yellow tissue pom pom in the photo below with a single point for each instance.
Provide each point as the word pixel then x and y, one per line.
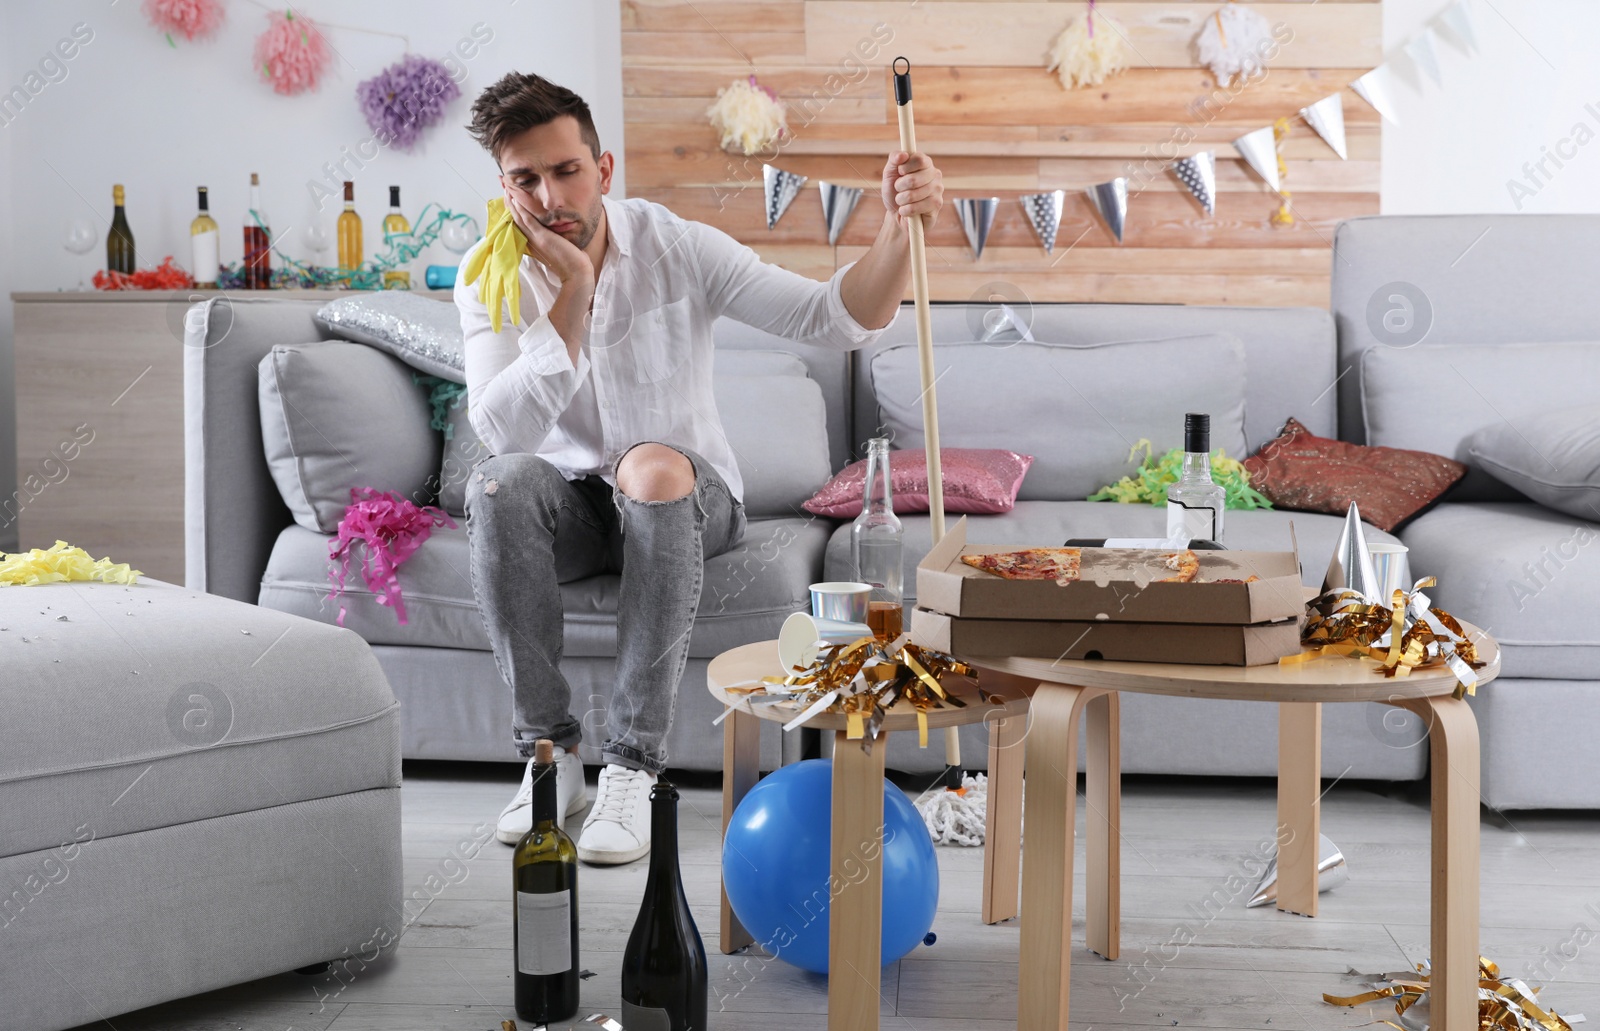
pixel 61 563
pixel 747 118
pixel 1089 51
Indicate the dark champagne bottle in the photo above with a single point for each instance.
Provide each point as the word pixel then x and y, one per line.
pixel 544 917
pixel 119 241
pixel 664 966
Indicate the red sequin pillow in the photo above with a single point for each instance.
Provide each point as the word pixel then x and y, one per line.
pixel 977 481
pixel 1299 470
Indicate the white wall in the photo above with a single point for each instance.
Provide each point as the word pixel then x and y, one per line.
pixel 1458 146
pixel 163 120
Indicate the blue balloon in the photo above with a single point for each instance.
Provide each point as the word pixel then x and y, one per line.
pixel 775 866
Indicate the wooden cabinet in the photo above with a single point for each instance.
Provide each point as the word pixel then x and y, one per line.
pixel 99 387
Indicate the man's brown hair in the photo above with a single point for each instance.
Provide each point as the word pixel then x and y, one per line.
pixel 520 101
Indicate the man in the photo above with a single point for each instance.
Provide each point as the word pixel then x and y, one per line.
pixel 606 449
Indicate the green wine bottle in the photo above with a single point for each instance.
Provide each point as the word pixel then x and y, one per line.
pixel 664 966
pixel 544 918
pixel 119 241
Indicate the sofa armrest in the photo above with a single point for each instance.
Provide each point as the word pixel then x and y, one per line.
pixel 232 511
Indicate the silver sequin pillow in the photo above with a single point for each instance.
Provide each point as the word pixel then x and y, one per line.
pixel 422 332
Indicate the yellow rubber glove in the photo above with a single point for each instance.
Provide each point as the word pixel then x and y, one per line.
pixel 498 262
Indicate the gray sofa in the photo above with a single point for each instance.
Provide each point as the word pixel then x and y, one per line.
pixel 785 411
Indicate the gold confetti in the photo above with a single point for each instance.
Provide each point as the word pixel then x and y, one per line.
pixel 1504 1004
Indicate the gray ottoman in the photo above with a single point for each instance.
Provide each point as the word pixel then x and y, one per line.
pixel 194 792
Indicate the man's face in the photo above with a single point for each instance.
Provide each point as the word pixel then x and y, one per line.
pixel 559 177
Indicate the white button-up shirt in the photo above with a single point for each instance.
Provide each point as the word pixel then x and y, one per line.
pixel 645 371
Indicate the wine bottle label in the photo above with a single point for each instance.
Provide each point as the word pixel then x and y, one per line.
pixel 1198 521
pixel 205 256
pixel 645 1018
pixel 544 932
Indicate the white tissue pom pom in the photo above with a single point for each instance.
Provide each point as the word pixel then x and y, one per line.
pixel 747 118
pixel 1084 60
pixel 1232 41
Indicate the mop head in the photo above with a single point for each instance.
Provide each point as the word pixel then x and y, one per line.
pixel 1232 41
pixel 956 816
pixel 1089 51
pixel 747 117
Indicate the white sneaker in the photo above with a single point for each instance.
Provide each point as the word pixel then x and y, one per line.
pixel 572 795
pixel 617 830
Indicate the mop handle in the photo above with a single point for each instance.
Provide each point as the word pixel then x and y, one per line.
pixel 930 405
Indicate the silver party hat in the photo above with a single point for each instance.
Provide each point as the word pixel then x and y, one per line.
pixel 1111 201
pixel 1199 173
pixel 977 216
pixel 1351 567
pixel 837 204
pixel 1326 116
pixel 1261 153
pixel 781 188
pixel 1044 214
pixel 1331 872
pixel 1373 87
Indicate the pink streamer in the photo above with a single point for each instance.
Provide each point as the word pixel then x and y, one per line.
pixel 392 529
pixel 1090 19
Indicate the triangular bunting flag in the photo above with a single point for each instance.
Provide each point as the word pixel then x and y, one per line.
pixel 1374 88
pixel 1260 153
pixel 1326 116
pixel 1457 21
pixel 1422 54
pixel 1111 201
pixel 780 188
pixel 837 204
pixel 1199 173
pixel 977 215
pixel 1044 214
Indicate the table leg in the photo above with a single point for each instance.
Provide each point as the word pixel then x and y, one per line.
pixel 1002 833
pixel 1051 809
pixel 1453 769
pixel 1103 799
pixel 1299 805
pixel 855 915
pixel 741 755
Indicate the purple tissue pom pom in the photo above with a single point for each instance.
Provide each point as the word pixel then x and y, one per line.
pixel 405 98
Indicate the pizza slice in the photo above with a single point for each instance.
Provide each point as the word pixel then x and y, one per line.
pixel 1059 564
pixel 1187 564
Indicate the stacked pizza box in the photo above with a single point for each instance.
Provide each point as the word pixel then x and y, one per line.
pixel 1230 608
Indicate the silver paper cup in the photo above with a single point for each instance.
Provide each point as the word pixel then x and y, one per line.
pixel 842 600
pixel 803 637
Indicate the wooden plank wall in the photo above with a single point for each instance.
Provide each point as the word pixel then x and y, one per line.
pixel 1000 125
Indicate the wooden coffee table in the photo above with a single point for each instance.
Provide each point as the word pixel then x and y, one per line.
pixel 1064 691
pixel 856 911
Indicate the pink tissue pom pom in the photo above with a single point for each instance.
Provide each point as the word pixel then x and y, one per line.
pixel 292 54
pixel 190 19
pixel 392 528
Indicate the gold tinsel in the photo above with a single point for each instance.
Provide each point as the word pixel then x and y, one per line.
pixel 1504 1004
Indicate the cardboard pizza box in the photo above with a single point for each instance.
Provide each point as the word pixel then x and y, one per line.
pixel 1118 585
pixel 1196 643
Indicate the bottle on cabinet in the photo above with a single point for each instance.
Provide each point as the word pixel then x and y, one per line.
pixel 396 230
pixel 544 915
pixel 204 249
pixel 349 235
pixel 664 985
pixel 1196 503
pixel 119 239
pixel 257 241
pixel 876 545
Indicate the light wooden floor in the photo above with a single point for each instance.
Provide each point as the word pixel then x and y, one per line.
pixel 1186 841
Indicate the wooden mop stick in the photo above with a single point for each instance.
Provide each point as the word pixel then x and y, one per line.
pixel 930 405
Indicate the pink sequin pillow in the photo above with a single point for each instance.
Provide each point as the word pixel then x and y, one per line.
pixel 977 481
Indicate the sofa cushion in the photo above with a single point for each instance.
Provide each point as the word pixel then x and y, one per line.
pixel 420 331
pixel 1435 397
pixel 748 591
pixel 776 425
pixel 1077 409
pixel 1051 522
pixel 1521 572
pixel 142 706
pixel 336 416
pixel 1552 457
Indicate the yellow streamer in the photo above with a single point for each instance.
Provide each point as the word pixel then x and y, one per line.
pixel 61 563
pixel 1283 216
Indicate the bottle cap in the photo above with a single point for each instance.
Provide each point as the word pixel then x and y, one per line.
pixel 255 180
pixel 544 752
pixel 349 190
pixel 664 789
pixel 1196 432
pixel 116 193
pixel 394 196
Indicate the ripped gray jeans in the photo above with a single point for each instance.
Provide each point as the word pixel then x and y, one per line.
pixel 531 530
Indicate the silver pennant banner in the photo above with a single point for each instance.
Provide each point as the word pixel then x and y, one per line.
pixel 1422 54
pixel 1332 871
pixel 1199 173
pixel 1457 20
pixel 781 188
pixel 1261 154
pixel 1044 214
pixel 838 202
pixel 1111 201
pixel 1351 567
pixel 1326 116
pixel 977 216
pixel 1374 88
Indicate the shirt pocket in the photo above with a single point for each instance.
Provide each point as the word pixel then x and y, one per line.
pixel 661 340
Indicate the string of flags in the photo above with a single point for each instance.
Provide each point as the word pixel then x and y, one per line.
pixel 1258 148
